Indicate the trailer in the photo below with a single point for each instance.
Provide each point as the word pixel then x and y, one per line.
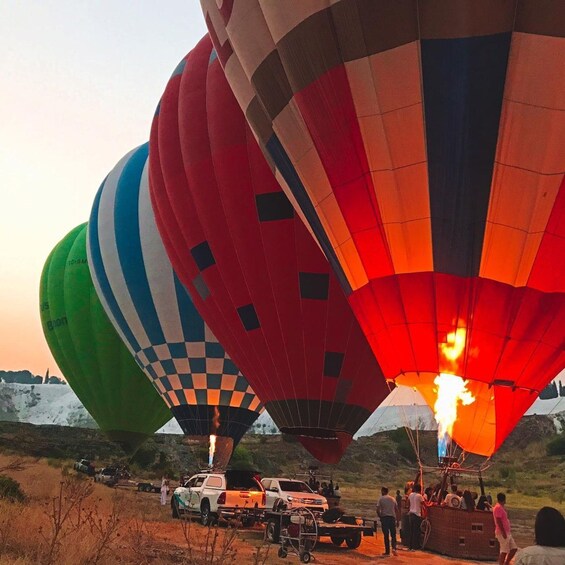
pixel 349 529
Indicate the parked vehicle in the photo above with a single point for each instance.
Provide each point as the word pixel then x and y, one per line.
pixel 233 494
pixel 286 493
pixel 148 487
pixel 84 466
pixel 106 475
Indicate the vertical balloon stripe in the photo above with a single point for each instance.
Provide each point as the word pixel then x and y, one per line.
pixel 128 243
pixel 463 82
pixel 110 255
pixel 157 267
pixel 101 281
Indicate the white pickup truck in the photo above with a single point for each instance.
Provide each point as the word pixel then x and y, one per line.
pixel 289 494
pixel 232 494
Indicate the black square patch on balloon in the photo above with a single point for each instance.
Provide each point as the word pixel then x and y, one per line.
pixel 332 364
pixel 314 285
pixel 248 317
pixel 273 206
pixel 202 255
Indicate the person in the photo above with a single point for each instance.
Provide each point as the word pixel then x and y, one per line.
pixel 331 488
pixel 387 511
pixel 502 531
pixel 549 548
pixel 489 499
pixel 337 492
pixel 452 499
pixel 428 493
pixel 404 517
pixel 398 498
pixel 164 490
pixel 416 501
pixel 467 502
pixel 483 504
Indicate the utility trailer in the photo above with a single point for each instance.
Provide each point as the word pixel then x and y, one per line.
pixel 349 529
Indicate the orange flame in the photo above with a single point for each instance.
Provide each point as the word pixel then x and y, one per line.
pixel 455 344
pixel 215 426
pixel 451 390
pixel 211 450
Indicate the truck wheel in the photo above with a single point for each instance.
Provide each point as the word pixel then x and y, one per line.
pixel 175 508
pixel 354 541
pixel 205 514
pixel 336 541
pixel 273 531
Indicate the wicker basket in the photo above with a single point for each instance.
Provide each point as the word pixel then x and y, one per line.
pixel 458 533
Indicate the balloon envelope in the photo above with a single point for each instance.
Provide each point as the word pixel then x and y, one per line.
pixel 154 313
pixel 255 272
pixel 424 142
pixel 94 361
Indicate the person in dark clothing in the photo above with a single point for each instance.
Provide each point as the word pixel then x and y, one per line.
pixel 388 512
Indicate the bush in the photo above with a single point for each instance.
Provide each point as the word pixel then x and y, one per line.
pixel 406 450
pixel 11 489
pixel 242 459
pixel 556 446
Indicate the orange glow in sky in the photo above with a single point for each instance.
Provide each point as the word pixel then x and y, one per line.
pixel 80 83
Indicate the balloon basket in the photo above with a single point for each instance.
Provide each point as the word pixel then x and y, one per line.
pixel 461 534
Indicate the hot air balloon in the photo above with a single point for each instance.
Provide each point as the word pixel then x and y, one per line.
pixel 424 143
pixel 255 272
pixel 89 352
pixel 153 312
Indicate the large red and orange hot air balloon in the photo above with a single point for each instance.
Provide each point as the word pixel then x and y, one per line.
pixel 424 143
pixel 254 271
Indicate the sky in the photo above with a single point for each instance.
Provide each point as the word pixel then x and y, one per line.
pixel 80 80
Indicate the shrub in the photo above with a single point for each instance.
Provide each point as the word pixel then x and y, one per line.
pixel 556 446
pixel 242 458
pixel 406 450
pixel 11 489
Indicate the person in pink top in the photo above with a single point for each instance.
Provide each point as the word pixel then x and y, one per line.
pixel 502 531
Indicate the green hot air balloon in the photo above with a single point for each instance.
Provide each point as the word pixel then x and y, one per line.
pixel 95 362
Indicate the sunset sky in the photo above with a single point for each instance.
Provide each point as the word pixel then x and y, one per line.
pixel 80 83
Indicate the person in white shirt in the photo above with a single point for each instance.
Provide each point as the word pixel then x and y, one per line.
pixel 550 540
pixel 452 499
pixel 387 511
pixel 416 501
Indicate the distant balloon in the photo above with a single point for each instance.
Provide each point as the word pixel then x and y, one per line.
pixel 424 143
pixel 253 269
pixel 153 312
pixel 89 352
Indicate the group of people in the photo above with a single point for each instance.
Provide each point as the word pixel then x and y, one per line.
pixel 325 489
pixel 549 548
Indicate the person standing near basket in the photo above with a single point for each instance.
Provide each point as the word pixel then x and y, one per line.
pixel 417 502
pixel 502 531
pixel 387 511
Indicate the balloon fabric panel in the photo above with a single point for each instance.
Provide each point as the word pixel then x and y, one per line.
pixel 257 276
pixel 424 144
